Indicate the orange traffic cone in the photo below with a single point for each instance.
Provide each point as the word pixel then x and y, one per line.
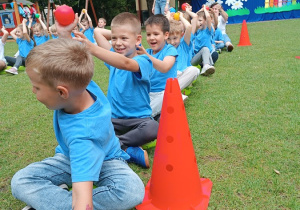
pixel 244 38
pixel 175 183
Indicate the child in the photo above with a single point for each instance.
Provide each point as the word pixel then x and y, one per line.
pixel 202 41
pixel 218 40
pixel 40 32
pixel 76 29
pixel 129 85
pixel 87 26
pixel 88 152
pixel 101 23
pixel 186 73
pixel 222 19
pixel 25 44
pixel 2 43
pixel 163 57
pixel 53 32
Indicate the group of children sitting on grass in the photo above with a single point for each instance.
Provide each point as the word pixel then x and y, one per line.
pixel 98 134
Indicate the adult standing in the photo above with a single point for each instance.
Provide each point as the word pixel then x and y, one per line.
pixel 160 6
pixel 222 19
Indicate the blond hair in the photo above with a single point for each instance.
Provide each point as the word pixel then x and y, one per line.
pixel 126 18
pixel 39 27
pixel 176 27
pixel 53 28
pixel 62 60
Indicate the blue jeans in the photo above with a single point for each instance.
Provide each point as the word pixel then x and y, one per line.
pixel 159 7
pixel 37 185
pixel 226 38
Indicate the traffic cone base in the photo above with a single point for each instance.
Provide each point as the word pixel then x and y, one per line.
pixel 202 204
pixel 244 38
pixel 175 182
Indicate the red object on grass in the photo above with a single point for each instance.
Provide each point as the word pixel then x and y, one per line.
pixel 64 15
pixel 298 57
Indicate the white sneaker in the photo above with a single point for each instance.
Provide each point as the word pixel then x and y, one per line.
pixel 184 97
pixel 207 70
pixel 28 208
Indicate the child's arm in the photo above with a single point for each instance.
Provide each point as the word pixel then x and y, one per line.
pixel 90 20
pixel 82 196
pixel 5 35
pixel 188 29
pixel 208 18
pixel 101 39
pixel 82 27
pixel 112 58
pixel 43 25
pixel 223 13
pixel 215 18
pixel 30 23
pixel 25 33
pixel 13 34
pixel 81 14
pixel 161 65
pixel 188 9
pixel 194 25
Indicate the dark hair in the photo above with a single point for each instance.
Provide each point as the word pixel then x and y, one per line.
pixel 160 20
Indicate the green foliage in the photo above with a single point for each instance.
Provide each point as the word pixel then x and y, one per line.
pixel 232 12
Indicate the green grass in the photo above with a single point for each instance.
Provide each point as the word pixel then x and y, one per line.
pixel 244 122
pixel 234 12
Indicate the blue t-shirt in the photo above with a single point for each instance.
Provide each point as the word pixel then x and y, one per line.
pixel 87 138
pixel 128 92
pixel 40 39
pixel 218 36
pixel 54 37
pixel 158 79
pixel 184 55
pixel 89 33
pixel 24 46
pixel 202 39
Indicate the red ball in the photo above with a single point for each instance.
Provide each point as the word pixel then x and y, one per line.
pixel 64 15
pixel 183 6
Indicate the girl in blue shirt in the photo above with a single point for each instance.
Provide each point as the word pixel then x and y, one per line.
pixel 40 32
pixel 25 43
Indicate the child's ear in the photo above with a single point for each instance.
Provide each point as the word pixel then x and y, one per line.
pixel 63 91
pixel 166 35
pixel 139 39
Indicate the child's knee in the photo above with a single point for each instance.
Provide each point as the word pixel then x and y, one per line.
pixel 16 184
pixel 2 65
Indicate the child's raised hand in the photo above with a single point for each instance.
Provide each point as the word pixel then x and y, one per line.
pixel 188 8
pixel 30 19
pixel 24 20
pixel 140 50
pixel 65 31
pixel 82 38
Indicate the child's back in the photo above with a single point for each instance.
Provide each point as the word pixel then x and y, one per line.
pixel 88 152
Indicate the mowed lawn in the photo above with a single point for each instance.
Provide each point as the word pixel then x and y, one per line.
pixel 244 121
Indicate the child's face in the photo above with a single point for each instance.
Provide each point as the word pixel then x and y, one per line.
pixel 124 40
pixel 85 23
pixel 156 38
pixel 101 24
pixel 174 39
pixel 201 23
pixel 75 29
pixel 216 9
pixel 47 95
pixel 19 33
pixel 36 32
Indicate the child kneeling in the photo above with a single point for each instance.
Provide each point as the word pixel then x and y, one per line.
pixel 88 152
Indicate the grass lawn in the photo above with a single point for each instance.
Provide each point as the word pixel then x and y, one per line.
pixel 244 121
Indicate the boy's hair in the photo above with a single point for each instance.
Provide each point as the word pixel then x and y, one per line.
pixel 159 20
pixel 62 60
pixel 102 19
pixel 127 18
pixel 201 14
pixel 53 28
pixel 175 27
pixel 84 20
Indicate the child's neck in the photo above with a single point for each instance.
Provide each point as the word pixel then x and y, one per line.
pixel 80 103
